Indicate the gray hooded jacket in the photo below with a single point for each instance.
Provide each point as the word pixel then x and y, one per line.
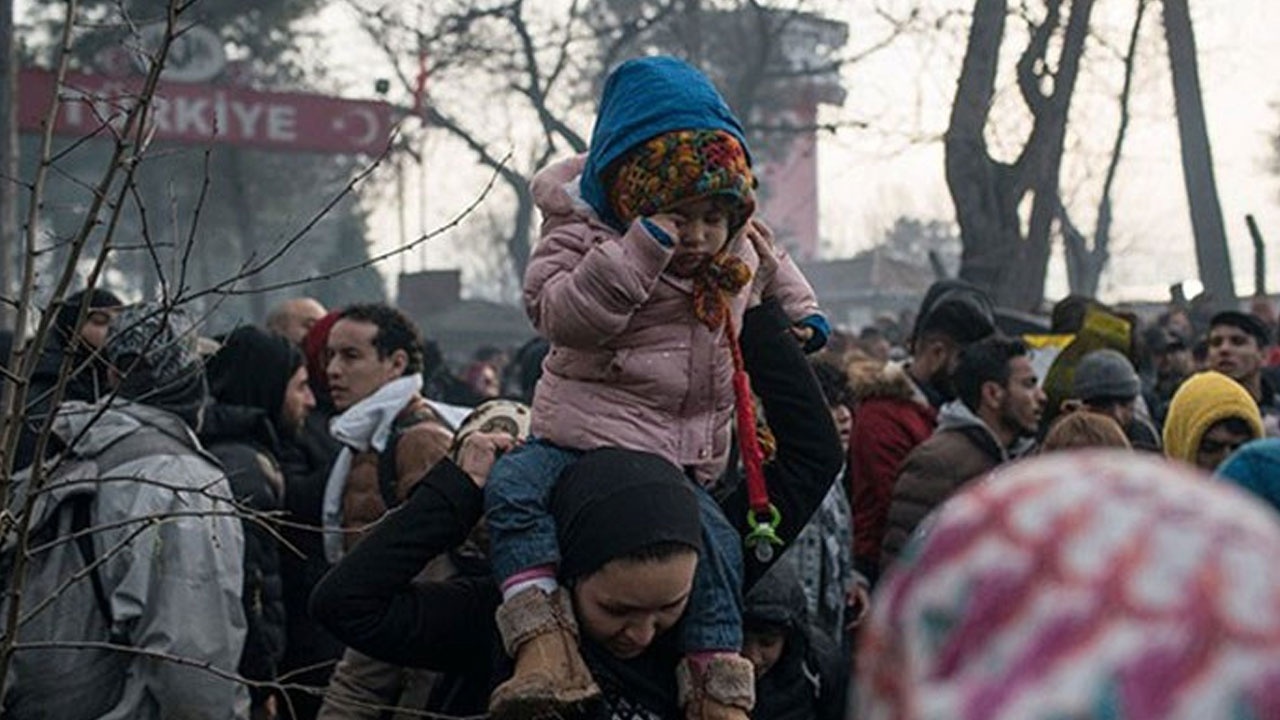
pixel 170 575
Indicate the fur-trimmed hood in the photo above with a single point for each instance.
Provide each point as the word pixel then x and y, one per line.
pixel 890 381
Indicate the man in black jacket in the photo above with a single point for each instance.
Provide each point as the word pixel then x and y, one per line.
pixel 259 390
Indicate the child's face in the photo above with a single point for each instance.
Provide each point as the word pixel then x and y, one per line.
pixel 764 647
pixel 702 230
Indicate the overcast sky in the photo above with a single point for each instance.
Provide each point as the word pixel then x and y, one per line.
pixel 870 176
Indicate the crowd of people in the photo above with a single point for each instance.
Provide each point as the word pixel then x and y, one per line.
pixel 690 497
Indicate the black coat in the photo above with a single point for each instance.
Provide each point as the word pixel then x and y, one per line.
pixel 306 459
pixel 244 441
pixel 367 599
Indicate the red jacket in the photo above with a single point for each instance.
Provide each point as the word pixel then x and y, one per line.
pixel 892 418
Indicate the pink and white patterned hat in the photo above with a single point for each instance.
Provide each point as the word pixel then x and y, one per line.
pixel 1096 584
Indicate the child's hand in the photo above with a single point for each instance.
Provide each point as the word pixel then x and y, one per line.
pixel 480 450
pixel 668 223
pixel 803 333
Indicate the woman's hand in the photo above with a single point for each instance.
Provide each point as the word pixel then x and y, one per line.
pixel 479 451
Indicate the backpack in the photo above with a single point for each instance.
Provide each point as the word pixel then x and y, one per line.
pixel 72 489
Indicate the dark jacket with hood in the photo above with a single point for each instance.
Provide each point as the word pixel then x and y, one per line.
pixel 962 449
pixel 794 688
pixel 369 602
pixel 242 426
pixel 86 383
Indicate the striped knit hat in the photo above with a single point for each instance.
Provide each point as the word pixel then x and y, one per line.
pixel 1084 585
pixel 679 166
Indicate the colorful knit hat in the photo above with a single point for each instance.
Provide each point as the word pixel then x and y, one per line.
pixel 643 98
pixel 1086 585
pixel 679 166
pixel 1203 400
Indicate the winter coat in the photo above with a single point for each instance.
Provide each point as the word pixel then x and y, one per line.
pixel 891 419
pixel 170 588
pixel 305 460
pixel 419 439
pixel 244 441
pixel 369 599
pixel 962 449
pixel 630 365
pixel 794 688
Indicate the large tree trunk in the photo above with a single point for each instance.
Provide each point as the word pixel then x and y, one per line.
pixel 988 227
pixel 1212 255
pixel 997 256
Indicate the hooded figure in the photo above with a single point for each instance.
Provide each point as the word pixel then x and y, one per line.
pixel 1092 585
pixel 88 379
pixel 1205 401
pixel 249 377
pixel 788 684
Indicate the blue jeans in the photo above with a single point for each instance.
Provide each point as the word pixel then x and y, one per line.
pixel 522 535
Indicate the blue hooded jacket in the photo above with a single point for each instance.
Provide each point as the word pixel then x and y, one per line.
pixel 642 98
pixel 1256 468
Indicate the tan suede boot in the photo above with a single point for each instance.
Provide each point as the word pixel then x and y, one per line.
pixel 722 688
pixel 550 679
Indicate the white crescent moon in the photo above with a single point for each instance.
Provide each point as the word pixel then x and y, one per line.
pixel 370 125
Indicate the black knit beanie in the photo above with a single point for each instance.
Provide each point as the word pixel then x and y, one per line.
pixel 613 503
pixel 252 368
pixel 956 308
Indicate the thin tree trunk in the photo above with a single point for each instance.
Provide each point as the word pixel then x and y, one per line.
pixel 9 168
pixel 1212 255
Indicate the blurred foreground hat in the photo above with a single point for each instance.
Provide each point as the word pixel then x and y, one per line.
pixel 1091 584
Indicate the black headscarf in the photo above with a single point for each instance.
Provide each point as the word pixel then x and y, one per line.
pixel 613 503
pixel 253 369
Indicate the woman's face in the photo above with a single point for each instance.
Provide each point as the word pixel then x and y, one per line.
pixel 624 605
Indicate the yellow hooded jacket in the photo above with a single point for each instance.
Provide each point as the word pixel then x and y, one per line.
pixel 1203 400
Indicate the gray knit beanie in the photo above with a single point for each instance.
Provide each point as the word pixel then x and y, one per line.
pixel 1106 374
pixel 163 337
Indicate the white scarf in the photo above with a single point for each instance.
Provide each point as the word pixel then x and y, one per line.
pixel 365 425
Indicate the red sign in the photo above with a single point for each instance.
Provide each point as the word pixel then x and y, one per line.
pixel 203 114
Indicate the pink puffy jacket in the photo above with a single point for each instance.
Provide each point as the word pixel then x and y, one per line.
pixel 630 366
